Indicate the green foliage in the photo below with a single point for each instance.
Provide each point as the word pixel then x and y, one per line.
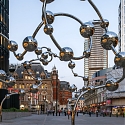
pixel 14 110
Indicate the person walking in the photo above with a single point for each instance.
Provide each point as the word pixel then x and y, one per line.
pixel 90 113
pixel 96 113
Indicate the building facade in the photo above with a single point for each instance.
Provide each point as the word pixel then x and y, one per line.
pixel 99 56
pixel 121 26
pixel 44 97
pixel 65 94
pixel 4 29
pixel 49 96
pixel 116 99
pixel 102 99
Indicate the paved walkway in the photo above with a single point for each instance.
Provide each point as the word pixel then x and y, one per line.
pixel 63 120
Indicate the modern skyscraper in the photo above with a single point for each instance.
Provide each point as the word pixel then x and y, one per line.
pixel 4 29
pixel 121 26
pixel 99 56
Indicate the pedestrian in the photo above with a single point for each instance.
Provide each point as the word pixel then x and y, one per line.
pixel 90 113
pixel 53 112
pixel 47 112
pixel 110 113
pixel 77 113
pixel 117 114
pixel 68 114
pixel 103 113
pixel 59 112
pixel 96 113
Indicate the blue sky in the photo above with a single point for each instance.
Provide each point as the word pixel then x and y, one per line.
pixel 25 16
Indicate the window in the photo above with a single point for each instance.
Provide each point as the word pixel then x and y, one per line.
pixel 15 86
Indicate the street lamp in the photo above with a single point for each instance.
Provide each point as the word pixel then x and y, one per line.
pixel 7 96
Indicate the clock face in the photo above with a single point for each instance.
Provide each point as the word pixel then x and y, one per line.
pixel 44 93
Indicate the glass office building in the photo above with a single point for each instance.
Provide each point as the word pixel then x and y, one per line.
pixel 99 56
pixel 4 29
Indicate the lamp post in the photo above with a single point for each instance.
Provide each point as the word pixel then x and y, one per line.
pixel 56 98
pixel 7 96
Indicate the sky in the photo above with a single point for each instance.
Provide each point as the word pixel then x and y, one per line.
pixel 25 16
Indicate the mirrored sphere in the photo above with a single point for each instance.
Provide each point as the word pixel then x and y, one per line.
pixel 66 54
pixel 38 51
pixel 45 62
pixel 84 88
pixel 33 88
pixel 73 88
pixel 2 73
pixel 30 43
pixel 87 53
pixel 27 65
pixel 87 29
pixel 45 55
pixel 111 84
pixel 109 38
pixel 76 95
pixel 91 89
pixel 120 59
pixel 22 92
pixel 10 81
pixel 71 65
pixel 38 80
pixel 49 16
pixel 7 96
pixel 48 29
pixel 105 23
pixel 19 56
pixel 85 78
pixel 47 1
pixel 12 46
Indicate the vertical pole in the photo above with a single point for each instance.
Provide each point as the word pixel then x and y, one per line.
pixel 0 114
pixel 56 97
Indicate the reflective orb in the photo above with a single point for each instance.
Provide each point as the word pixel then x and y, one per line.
pixel 76 95
pixel 91 89
pixel 2 73
pixel 48 29
pixel 10 81
pixel 47 1
pixel 85 78
pixel 12 46
pixel 66 54
pixel 109 38
pixel 111 84
pixel 104 24
pixel 72 88
pixel 120 59
pixel 38 80
pixel 87 29
pixel 33 88
pixel 29 43
pixel 45 55
pixel 45 62
pixel 12 68
pixel 84 88
pixel 87 53
pixel 38 51
pixel 19 56
pixel 71 65
pixel 75 74
pixel 22 92
pixel 7 96
pixel 49 16
pixel 27 65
